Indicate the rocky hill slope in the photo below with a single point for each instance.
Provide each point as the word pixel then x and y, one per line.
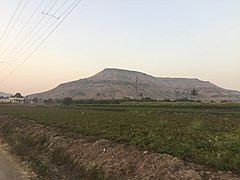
pixel 117 84
pixel 3 94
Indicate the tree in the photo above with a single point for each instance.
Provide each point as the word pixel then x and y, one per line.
pixel 67 101
pixel 48 101
pixel 18 95
pixel 194 92
pixel 35 99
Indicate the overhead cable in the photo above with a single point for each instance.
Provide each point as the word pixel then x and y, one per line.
pixel 17 50
pixel 70 9
pixel 25 25
pixel 16 10
pixel 7 33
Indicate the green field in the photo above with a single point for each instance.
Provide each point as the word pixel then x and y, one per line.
pixel 205 133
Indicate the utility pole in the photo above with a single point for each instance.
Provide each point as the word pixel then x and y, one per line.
pixel 136 83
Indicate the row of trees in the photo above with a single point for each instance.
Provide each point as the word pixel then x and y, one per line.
pixel 68 100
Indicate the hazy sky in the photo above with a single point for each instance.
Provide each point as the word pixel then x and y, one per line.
pixel 170 38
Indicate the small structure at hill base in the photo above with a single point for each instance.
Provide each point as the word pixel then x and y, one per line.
pixel 17 98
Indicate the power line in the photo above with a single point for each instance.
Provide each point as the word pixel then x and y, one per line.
pixel 71 8
pixel 32 44
pixel 13 54
pixel 19 4
pixel 50 15
pixel 3 62
pixel 25 25
pixel 29 23
pixel 14 22
pixel 36 25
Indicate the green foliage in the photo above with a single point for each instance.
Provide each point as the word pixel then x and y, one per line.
pixel 18 95
pixel 195 125
pixel 48 101
pixel 194 92
pixel 95 173
pixel 44 161
pixel 59 158
pixel 67 101
pixel 204 133
pixel 42 139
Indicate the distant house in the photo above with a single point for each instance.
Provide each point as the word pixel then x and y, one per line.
pixel 4 100
pixel 17 98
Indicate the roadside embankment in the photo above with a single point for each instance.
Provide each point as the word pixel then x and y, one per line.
pixel 60 155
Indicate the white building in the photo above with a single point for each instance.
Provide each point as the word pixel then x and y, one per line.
pixel 17 98
pixel 5 100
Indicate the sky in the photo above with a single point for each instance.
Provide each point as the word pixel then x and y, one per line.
pixel 164 38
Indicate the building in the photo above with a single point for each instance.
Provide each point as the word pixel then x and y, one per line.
pixel 4 100
pixel 17 98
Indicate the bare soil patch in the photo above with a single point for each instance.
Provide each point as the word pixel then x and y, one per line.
pixel 12 167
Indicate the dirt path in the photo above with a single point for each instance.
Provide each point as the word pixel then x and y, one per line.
pixel 10 167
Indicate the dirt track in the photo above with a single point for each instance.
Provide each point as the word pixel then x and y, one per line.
pixel 118 161
pixel 7 170
pixel 10 168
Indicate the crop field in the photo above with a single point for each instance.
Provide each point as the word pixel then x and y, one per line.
pixel 203 133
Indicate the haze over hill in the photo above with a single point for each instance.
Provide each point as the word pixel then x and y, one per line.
pixel 3 94
pixel 117 84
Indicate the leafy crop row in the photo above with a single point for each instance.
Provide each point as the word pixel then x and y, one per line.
pixel 208 139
